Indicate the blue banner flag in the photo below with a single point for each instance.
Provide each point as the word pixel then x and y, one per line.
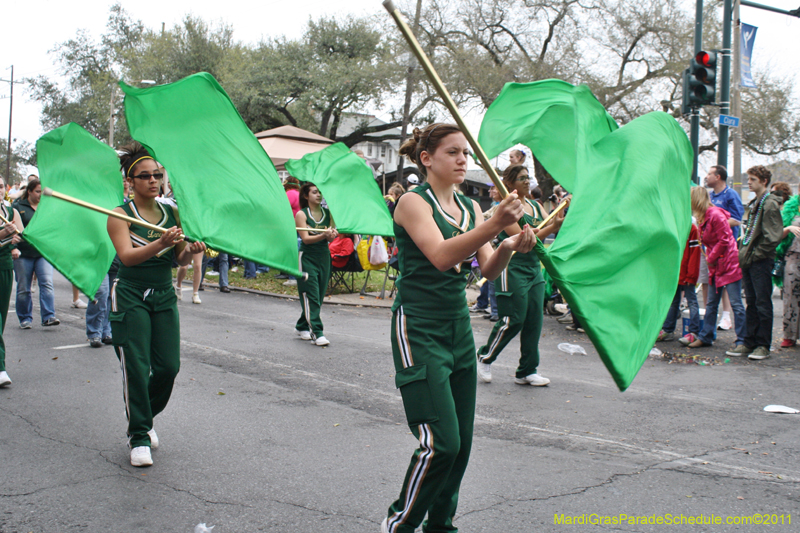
pixel 748 36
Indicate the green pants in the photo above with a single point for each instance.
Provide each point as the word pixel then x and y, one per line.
pixel 436 375
pixel 6 281
pixel 312 291
pixel 146 332
pixel 520 298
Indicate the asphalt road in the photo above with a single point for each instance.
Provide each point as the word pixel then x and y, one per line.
pixel 266 432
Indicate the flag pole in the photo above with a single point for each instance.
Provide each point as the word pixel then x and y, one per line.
pixel 445 95
pixel 47 191
pixel 545 222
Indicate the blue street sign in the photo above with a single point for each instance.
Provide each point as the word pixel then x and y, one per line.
pixel 731 122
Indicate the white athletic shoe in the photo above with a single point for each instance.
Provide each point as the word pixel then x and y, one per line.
pixel 322 341
pixel 79 304
pixel 304 335
pixel 140 456
pixel 385 525
pixel 724 324
pixel 534 379
pixel 196 298
pixel 484 372
pixel 153 438
pixel 4 379
pixel 179 293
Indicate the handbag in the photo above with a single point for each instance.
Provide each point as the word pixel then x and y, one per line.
pixel 778 268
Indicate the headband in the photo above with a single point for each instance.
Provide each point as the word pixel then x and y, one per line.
pixel 428 138
pixel 134 164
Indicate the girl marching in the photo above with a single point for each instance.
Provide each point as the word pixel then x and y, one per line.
pixel 8 233
pixel 144 313
pixel 437 229
pixel 520 293
pixel 315 260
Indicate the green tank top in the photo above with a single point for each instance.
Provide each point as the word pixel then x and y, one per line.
pixel 318 248
pixel 528 262
pixel 156 272
pixel 6 263
pixel 422 289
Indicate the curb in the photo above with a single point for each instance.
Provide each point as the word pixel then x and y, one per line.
pixel 292 297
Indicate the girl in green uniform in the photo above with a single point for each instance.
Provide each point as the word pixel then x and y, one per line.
pixel 315 260
pixel 437 229
pixel 144 312
pixel 520 293
pixel 7 234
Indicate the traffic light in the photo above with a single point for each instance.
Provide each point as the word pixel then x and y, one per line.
pixel 701 84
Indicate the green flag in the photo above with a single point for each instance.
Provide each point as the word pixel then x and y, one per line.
pixel 349 188
pixel 618 254
pixel 228 191
pixel 72 238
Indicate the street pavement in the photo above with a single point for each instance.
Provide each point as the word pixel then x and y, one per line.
pixel 266 432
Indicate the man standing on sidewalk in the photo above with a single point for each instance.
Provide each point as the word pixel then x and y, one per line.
pixel 757 256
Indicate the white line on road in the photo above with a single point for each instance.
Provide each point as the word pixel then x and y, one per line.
pixel 83 345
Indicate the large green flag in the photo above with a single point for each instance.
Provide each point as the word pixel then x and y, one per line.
pixel 618 254
pixel 228 191
pixel 72 238
pixel 349 188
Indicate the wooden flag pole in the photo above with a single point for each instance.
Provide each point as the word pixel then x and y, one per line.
pixel 545 222
pixel 47 191
pixel 6 221
pixel 445 95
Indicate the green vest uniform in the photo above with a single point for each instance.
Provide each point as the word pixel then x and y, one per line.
pixel 315 260
pixel 6 279
pixel 434 359
pixel 145 328
pixel 520 301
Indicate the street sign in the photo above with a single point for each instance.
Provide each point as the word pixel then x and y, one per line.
pixel 731 122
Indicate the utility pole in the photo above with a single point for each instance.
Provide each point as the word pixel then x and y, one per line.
pixel 694 132
pixel 11 83
pixel 725 92
pixel 409 90
pixel 736 100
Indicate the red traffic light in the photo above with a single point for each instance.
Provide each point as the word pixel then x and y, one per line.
pixel 706 59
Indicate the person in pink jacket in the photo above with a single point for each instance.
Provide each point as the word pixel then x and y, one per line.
pixel 724 273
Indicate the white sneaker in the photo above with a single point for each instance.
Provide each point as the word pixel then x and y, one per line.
pixel 322 341
pixel 290 282
pixel 179 293
pixel 385 525
pixel 484 372
pixel 79 304
pixel 534 379
pixel 140 456
pixel 724 324
pixel 4 379
pixel 153 438
pixel 304 335
pixel 196 298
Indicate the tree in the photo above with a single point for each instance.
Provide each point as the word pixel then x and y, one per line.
pixel 21 154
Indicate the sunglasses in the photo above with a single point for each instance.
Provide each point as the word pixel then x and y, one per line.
pixel 145 176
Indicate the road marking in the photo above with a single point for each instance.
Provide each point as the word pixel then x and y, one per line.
pixel 670 457
pixel 71 346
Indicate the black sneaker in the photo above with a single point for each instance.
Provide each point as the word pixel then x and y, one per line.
pixel 282 276
pixel 25 325
pixel 95 342
pixel 108 340
pixel 51 322
pixel 224 289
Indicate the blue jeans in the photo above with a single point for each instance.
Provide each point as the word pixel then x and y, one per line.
pixel 483 297
pixel 758 293
pixel 223 269
pixel 24 267
pixel 249 269
pixel 675 310
pixel 97 324
pixel 492 298
pixel 262 269
pixel 710 320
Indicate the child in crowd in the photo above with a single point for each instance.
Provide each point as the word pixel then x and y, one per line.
pixel 687 281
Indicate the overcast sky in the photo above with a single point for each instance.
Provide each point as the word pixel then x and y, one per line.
pixel 33 27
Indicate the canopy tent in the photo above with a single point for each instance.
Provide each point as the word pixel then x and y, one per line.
pixel 288 142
